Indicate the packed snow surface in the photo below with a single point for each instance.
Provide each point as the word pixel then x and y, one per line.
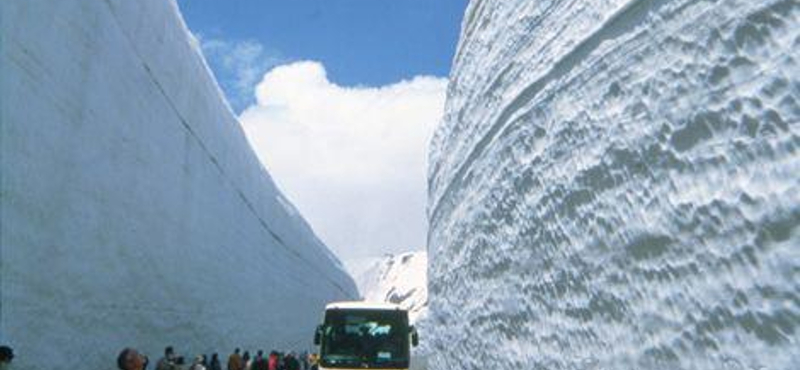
pixel 134 212
pixel 616 185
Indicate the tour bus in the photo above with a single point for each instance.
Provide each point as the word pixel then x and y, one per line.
pixel 362 335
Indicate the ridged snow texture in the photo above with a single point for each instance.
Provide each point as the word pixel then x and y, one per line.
pixel 134 212
pixel 616 185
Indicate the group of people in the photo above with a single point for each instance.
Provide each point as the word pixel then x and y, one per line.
pixel 131 359
pixel 274 361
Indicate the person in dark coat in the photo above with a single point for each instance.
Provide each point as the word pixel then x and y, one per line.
pixel 290 362
pixel 215 364
pixel 168 361
pixel 6 355
pixel 304 360
pixel 260 363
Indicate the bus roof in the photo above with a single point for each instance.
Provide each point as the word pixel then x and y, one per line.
pixel 362 305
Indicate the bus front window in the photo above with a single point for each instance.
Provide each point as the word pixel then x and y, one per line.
pixel 365 339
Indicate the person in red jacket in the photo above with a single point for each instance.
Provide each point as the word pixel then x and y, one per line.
pixel 272 362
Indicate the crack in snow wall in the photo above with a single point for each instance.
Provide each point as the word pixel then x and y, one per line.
pixel 134 212
pixel 615 186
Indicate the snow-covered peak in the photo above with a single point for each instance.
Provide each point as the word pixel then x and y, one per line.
pixel 399 279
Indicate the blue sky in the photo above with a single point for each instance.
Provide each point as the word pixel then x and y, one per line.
pixel 339 99
pixel 360 42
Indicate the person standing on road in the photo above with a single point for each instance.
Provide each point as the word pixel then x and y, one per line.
pixel 168 361
pixel 215 364
pixel 235 361
pixel 179 363
pixel 198 363
pixel 260 363
pixel 6 355
pixel 281 361
pixel 304 360
pixel 131 359
pixel 313 360
pixel 246 361
pixel 290 362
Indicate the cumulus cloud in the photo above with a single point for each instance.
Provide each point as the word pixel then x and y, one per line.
pixel 352 159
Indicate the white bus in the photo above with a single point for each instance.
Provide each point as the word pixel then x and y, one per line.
pixel 361 335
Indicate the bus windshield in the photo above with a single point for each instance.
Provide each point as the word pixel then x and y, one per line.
pixel 365 339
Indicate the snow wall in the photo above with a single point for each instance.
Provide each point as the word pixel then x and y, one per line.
pixel 616 185
pixel 134 212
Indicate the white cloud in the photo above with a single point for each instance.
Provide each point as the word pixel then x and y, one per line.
pixel 351 159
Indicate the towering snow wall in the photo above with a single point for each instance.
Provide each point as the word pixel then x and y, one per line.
pixel 134 212
pixel 616 185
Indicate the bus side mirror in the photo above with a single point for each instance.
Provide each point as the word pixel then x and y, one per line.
pixel 414 337
pixel 318 335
